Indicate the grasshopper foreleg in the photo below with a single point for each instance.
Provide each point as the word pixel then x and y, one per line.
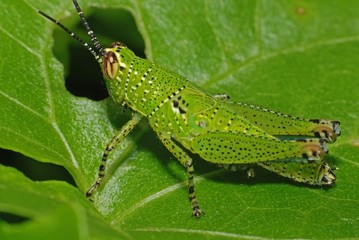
pixel 117 139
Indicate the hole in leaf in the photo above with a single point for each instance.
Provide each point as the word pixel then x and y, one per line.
pixel 35 170
pixel 83 73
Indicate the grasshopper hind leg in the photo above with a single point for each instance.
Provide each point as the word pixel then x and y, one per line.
pixel 310 169
pixel 313 173
pixel 224 147
pixel 326 129
pixel 300 160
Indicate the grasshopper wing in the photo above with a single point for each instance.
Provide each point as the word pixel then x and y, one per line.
pixel 280 124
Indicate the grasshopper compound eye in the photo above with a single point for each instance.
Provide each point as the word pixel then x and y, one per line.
pixel 111 60
pixel 110 65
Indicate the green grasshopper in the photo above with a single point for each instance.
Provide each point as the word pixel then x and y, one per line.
pixel 187 119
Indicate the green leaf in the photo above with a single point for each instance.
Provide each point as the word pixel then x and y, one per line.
pixel 51 207
pixel 299 57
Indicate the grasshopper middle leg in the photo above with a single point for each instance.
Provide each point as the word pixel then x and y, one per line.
pixel 186 161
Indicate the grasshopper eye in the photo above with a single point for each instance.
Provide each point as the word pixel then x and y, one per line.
pixel 110 65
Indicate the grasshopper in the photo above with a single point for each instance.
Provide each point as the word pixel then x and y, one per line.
pixel 189 120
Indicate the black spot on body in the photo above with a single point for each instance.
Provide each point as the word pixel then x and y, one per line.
pixel 314 120
pixel 181 110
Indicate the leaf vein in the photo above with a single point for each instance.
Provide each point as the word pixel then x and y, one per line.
pixel 266 56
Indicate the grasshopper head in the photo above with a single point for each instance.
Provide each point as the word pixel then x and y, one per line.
pixel 115 62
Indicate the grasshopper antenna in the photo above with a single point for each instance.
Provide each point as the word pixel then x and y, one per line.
pixel 91 34
pixel 72 34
